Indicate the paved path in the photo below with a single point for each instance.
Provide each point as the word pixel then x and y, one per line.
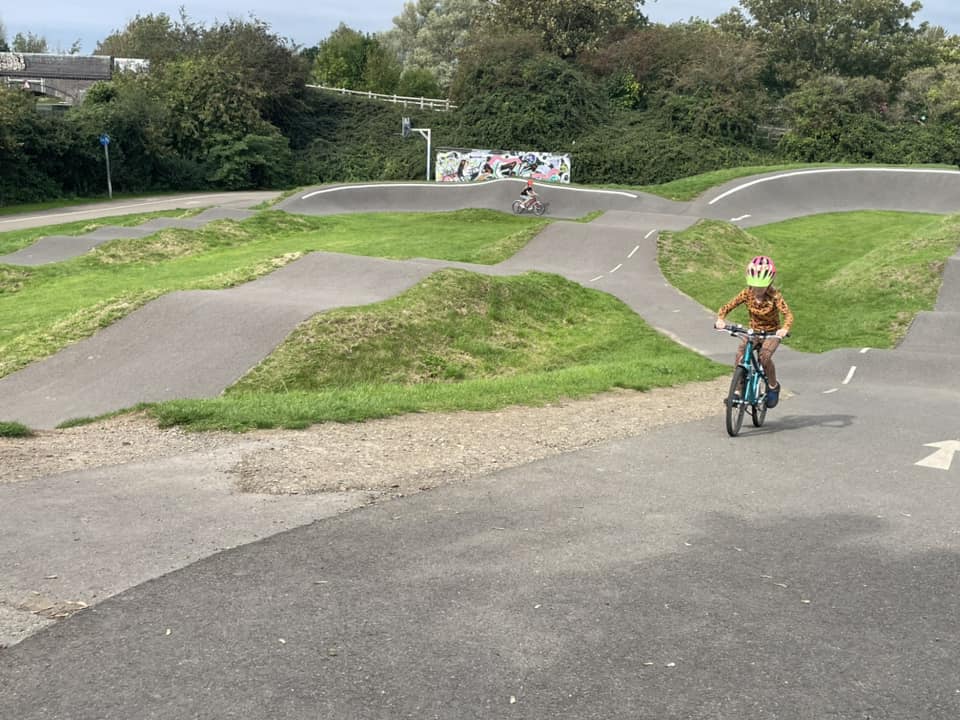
pixel 807 569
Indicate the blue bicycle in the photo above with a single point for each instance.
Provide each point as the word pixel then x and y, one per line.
pixel 748 386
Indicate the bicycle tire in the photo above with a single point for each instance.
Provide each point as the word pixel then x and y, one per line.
pixel 758 411
pixel 735 405
pixel 539 208
pixel 517 207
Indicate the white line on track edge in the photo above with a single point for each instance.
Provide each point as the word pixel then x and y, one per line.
pixel 433 185
pixel 738 188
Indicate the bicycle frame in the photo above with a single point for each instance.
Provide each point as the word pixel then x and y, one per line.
pixel 748 386
pixel 755 373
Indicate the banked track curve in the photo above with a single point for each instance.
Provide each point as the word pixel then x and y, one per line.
pixel 196 343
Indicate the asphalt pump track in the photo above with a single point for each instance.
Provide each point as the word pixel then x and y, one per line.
pixel 807 569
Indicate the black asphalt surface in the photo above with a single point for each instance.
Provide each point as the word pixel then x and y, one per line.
pixel 806 569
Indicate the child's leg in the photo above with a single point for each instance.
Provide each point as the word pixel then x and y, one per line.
pixel 767 350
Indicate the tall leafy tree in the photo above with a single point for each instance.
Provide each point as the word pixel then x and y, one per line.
pixel 3 38
pixel 430 35
pixel 563 28
pixel 351 59
pixel 268 64
pixel 807 38
pixel 157 38
pixel 29 43
pixel 835 118
pixel 514 95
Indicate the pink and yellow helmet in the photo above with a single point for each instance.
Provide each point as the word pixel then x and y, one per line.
pixel 760 271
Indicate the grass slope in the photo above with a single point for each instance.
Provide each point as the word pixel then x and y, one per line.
pixel 458 340
pixel 851 279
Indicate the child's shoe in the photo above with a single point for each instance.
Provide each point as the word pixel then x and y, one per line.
pixel 773 396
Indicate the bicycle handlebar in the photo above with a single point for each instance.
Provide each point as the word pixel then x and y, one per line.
pixel 735 329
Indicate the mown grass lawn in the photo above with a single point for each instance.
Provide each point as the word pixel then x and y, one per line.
pixel 44 308
pixel 851 279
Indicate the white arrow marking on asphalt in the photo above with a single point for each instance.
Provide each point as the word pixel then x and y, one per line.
pixel 943 457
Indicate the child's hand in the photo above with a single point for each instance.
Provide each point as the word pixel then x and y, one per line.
pixel 720 324
pixel 782 333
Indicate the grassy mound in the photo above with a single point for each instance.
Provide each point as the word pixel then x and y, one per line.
pixel 458 340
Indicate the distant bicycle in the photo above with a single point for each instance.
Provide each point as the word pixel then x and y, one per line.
pixel 748 386
pixel 537 207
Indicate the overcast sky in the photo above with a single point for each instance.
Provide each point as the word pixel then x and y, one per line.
pixel 306 23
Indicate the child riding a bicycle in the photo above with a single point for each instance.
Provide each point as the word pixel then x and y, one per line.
pixel 528 194
pixel 765 305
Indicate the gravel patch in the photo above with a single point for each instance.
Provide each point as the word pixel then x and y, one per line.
pixel 396 455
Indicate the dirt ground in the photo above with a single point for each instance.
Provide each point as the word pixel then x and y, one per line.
pixel 396 455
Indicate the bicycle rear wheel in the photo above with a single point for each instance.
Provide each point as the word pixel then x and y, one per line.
pixel 517 207
pixel 734 402
pixel 759 409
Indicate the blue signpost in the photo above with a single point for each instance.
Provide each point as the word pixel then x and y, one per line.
pixel 105 141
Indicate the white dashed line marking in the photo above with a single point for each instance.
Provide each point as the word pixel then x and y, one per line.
pixel 742 217
pixel 598 277
pixel 616 268
pixel 864 351
pixel 849 377
pixel 647 236
pixel 632 252
pixel 831 390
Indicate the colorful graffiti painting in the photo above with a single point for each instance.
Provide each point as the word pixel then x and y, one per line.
pixel 479 165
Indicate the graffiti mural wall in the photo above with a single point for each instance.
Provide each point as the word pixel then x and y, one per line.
pixel 478 165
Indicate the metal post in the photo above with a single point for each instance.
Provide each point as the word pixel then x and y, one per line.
pixel 426 134
pixel 105 141
pixel 106 152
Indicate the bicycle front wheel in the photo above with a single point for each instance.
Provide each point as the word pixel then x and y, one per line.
pixel 734 402
pixel 539 208
pixel 759 409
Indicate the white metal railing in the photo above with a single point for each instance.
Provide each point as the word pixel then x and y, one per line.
pixel 421 102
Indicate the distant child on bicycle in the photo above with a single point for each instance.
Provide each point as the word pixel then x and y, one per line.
pixel 765 305
pixel 528 194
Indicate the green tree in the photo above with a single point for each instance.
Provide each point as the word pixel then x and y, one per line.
pixel 353 60
pixel 341 58
pixel 833 118
pixel 563 28
pixel 156 38
pixel 694 77
pixel 29 43
pixel 809 38
pixel 429 35
pixel 513 95
pixel 3 38
pixel 270 66
pixel 930 95
pixel 252 161
pixel 418 82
